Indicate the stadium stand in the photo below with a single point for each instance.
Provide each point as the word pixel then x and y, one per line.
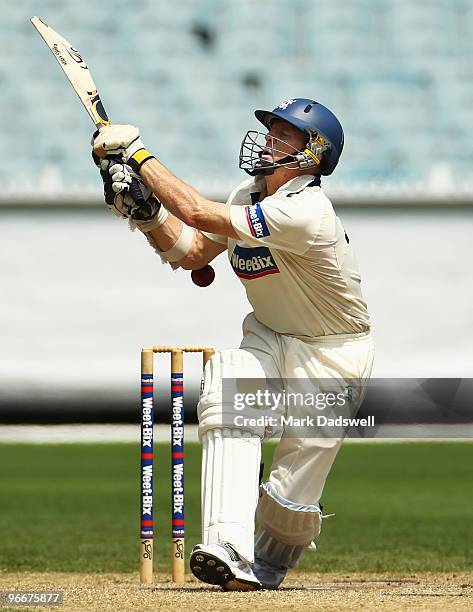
pixel 399 73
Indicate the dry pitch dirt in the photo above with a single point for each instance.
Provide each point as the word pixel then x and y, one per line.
pixel 301 591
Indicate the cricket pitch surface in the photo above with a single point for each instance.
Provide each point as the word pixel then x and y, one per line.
pixel 310 591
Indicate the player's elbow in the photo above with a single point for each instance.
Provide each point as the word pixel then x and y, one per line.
pixel 190 262
pixel 195 258
pixel 185 265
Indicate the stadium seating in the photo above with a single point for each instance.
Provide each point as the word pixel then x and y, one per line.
pixel 399 73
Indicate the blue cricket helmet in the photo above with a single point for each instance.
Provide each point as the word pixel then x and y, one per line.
pixel 310 117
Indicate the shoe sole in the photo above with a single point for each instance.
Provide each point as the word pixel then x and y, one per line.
pixel 212 570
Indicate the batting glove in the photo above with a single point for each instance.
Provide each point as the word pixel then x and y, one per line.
pixel 121 141
pixel 146 219
pixel 119 200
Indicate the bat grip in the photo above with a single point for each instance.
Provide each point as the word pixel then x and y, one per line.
pixel 136 194
pixel 143 210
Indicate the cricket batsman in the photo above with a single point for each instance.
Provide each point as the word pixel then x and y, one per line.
pixel 309 321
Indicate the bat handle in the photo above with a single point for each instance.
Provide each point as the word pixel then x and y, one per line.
pixel 143 210
pixel 135 192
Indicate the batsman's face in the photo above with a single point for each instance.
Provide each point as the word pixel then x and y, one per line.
pixel 283 138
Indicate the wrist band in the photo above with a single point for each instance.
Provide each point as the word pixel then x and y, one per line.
pixel 155 222
pixel 182 245
pixel 139 158
pixel 158 220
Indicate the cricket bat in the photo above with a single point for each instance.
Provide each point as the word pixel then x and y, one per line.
pixel 78 73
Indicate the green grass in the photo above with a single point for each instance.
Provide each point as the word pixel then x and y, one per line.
pixel 75 508
pixel 399 507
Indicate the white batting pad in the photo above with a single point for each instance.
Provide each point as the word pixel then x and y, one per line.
pixel 241 364
pixel 286 521
pixel 230 471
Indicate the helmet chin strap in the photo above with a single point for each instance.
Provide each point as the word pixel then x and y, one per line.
pixel 303 159
pixel 262 168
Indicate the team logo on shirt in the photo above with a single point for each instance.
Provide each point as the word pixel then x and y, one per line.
pixel 256 220
pixel 253 263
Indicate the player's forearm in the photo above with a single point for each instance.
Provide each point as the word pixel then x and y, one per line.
pixel 185 202
pixel 165 236
pixel 180 199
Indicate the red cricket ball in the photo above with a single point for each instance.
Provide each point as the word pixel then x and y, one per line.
pixel 203 277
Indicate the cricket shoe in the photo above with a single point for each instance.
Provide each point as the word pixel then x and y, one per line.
pixel 268 574
pixel 221 564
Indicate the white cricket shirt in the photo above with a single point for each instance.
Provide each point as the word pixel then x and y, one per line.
pixel 295 259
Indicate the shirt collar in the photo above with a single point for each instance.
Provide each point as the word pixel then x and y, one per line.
pixel 299 183
pixel 294 185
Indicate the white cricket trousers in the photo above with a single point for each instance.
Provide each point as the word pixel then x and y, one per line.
pixel 288 506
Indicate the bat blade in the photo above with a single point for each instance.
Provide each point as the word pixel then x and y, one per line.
pixel 76 70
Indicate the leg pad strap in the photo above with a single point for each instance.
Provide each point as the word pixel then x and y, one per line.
pixel 286 521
